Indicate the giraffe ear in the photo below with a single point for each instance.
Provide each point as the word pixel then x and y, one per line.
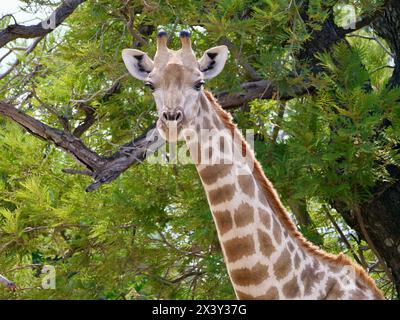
pixel 213 61
pixel 138 63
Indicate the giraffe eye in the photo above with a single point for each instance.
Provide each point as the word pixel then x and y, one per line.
pixel 198 85
pixel 149 85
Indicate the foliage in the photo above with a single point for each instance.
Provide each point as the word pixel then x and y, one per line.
pixel 150 233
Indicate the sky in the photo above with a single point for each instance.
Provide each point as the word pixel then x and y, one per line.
pixel 8 6
pixel 13 7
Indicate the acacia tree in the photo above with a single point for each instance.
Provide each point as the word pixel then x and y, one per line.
pixel 322 96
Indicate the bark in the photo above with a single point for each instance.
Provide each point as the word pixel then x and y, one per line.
pixel 103 169
pixel 320 41
pixel 368 20
pixel 261 89
pixel 16 31
pixel 131 153
pixel 388 28
pixel 107 169
pixel 62 139
pixel 381 215
pixel 7 283
pixel 381 219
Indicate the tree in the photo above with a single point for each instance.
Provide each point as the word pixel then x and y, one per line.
pixel 149 232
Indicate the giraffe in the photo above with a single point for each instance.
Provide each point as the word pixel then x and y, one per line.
pixel 265 255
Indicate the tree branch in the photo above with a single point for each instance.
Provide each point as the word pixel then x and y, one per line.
pixel 357 214
pixel 366 20
pixel 261 89
pixel 16 31
pixel 64 140
pixel 89 120
pixel 131 153
pixel 343 238
pixel 7 283
pixel 90 112
pixel 129 16
pixel 374 38
pixel 106 169
pixel 17 61
pixel 236 53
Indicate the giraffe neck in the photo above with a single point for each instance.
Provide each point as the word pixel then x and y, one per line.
pixel 265 256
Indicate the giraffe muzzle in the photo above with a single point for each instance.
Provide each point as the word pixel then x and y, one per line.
pixel 171 123
pixel 168 117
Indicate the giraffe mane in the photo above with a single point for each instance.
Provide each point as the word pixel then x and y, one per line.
pixel 279 209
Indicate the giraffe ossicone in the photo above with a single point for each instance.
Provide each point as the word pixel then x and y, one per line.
pixel 265 255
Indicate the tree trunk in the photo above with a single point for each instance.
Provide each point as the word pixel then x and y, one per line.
pixel 381 215
pixel 381 219
pixel 388 28
pixel 299 209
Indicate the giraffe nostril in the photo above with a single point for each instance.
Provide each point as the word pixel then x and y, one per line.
pixel 178 116
pixel 165 116
pixel 172 116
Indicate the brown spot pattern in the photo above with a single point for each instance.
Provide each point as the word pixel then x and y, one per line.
pixel 265 218
pixel 244 296
pixel 283 265
pixel 173 75
pixel 209 155
pixel 238 248
pixel 224 145
pixel 211 174
pixel 291 288
pixel 272 294
pixel 206 124
pixel 309 278
pixel 262 198
pixel 248 277
pixel 266 245
pixel 224 221
pixel 360 285
pixel 332 289
pixel 218 123
pixel 205 107
pixel 357 295
pixel 277 231
pixel 219 195
pixel 296 261
pixel 304 255
pixel 246 183
pixel 244 215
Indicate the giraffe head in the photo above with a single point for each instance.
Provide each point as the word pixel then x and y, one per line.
pixel 176 79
